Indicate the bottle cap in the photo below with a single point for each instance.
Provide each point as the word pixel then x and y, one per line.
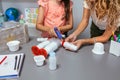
pixel 44 52
pixel 36 51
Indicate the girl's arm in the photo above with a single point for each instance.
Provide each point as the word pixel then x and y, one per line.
pixel 40 18
pixel 69 24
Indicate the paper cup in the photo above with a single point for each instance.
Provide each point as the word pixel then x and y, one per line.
pixel 13 45
pixel 98 48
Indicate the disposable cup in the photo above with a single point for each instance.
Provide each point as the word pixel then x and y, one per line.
pixel 39 60
pixel 13 45
pixel 98 48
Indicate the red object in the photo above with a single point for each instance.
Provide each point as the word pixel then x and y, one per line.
pixel 43 52
pixel 3 59
pixel 36 51
pixel 63 42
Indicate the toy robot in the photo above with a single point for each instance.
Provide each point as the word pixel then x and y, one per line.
pixel 50 45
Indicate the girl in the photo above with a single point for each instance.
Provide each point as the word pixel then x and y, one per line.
pixel 106 20
pixel 54 13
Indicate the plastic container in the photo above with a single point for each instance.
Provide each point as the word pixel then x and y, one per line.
pixel 13 45
pixel 70 46
pixel 114 48
pixel 98 48
pixel 39 60
pixel 52 61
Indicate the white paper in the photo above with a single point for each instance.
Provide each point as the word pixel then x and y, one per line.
pixel 114 48
pixel 7 67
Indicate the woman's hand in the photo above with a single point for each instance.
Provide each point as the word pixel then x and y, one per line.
pixel 71 38
pixel 78 43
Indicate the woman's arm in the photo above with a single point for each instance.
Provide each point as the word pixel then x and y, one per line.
pixel 82 25
pixel 40 18
pixel 84 22
pixel 103 38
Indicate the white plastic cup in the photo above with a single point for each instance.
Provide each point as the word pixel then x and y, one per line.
pixel 13 45
pixel 98 48
pixel 39 60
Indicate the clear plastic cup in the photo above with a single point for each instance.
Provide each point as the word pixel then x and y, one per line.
pixel 98 48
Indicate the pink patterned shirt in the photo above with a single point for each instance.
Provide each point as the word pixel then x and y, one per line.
pixel 53 15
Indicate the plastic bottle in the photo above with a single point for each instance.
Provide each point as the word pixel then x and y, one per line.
pixel 43 44
pixel 44 48
pixel 53 45
pixel 52 61
pixel 37 48
pixel 70 46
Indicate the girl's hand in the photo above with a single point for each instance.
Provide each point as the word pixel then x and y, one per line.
pixel 52 33
pixel 71 38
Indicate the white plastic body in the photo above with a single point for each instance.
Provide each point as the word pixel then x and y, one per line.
pixel 42 39
pixel 52 63
pixel 70 46
pixel 43 44
pixel 52 46
pixel 98 48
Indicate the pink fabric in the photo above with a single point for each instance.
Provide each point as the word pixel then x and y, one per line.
pixel 54 14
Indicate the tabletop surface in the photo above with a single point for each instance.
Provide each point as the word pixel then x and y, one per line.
pixel 80 65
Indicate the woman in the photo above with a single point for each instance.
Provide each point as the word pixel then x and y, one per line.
pixel 106 20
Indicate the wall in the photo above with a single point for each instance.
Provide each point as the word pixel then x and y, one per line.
pixel 21 4
pixel 77 14
pixel 0 6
